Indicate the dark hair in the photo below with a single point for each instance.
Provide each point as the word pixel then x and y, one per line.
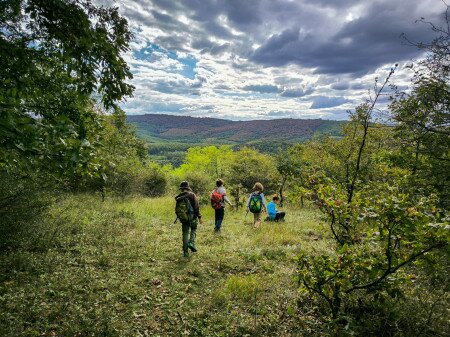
pixel 219 182
pixel 275 197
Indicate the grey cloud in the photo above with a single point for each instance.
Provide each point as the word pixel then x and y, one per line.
pixel 321 102
pixel 215 29
pixel 177 87
pixel 206 108
pixel 286 80
pixel 222 87
pixel 358 47
pixel 206 45
pixel 334 3
pixel 199 82
pixel 340 85
pixel 304 33
pixel 202 10
pixel 175 42
pixel 301 32
pixel 244 13
pixel 359 86
pixel 297 92
pixel 166 4
pixel 136 14
pixel 263 89
pixel 160 107
pixel 245 66
pixel 161 17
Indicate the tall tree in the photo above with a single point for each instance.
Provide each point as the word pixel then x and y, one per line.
pixel 60 65
pixel 422 116
pixel 56 58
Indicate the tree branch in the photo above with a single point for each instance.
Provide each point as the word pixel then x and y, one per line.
pixel 393 270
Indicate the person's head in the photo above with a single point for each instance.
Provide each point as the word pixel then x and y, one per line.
pixel 184 186
pixel 276 199
pixel 219 182
pixel 258 187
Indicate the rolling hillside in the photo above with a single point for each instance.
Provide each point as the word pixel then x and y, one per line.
pixel 214 131
pixel 170 136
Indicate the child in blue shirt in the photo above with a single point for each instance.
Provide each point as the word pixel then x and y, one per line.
pixel 274 215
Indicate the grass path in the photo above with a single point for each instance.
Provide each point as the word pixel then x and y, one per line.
pixel 116 269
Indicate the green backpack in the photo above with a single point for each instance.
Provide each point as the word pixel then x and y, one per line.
pixel 255 204
pixel 184 209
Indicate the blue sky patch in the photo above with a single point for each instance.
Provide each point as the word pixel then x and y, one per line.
pixel 150 52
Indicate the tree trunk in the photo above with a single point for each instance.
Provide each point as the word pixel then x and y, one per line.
pixel 281 190
pixel 236 196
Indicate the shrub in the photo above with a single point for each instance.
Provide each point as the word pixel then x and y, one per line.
pixel 155 181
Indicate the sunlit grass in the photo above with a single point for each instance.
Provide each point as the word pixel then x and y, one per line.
pixel 116 269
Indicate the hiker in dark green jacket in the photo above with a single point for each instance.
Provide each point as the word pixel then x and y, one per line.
pixel 187 210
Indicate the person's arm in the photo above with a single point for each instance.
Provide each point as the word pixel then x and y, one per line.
pixel 195 205
pixel 248 201
pixel 227 200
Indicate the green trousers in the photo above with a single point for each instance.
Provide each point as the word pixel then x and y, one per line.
pixel 189 237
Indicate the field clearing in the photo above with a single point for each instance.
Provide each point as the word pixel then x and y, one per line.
pixel 116 269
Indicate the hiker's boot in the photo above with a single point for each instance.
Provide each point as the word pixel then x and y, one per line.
pixel 191 246
pixel 186 254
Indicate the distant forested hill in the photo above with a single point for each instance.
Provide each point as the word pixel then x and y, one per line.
pixel 170 135
pixel 221 131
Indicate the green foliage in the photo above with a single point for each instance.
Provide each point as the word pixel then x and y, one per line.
pixel 421 115
pixel 24 197
pixel 209 160
pixel 54 56
pixel 240 169
pixel 377 236
pixel 266 135
pixel 121 156
pixel 422 126
pixel 382 209
pixel 60 66
pixel 291 166
pixel 200 183
pixel 242 289
pixel 249 167
pixel 156 181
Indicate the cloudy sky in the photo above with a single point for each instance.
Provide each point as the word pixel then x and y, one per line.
pixel 262 59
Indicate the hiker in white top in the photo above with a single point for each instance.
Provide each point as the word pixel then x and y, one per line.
pixel 218 201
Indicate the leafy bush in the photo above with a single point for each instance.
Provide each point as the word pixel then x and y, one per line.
pixel 155 181
pixel 200 183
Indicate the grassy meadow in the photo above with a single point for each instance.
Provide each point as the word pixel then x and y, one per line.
pixel 115 268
